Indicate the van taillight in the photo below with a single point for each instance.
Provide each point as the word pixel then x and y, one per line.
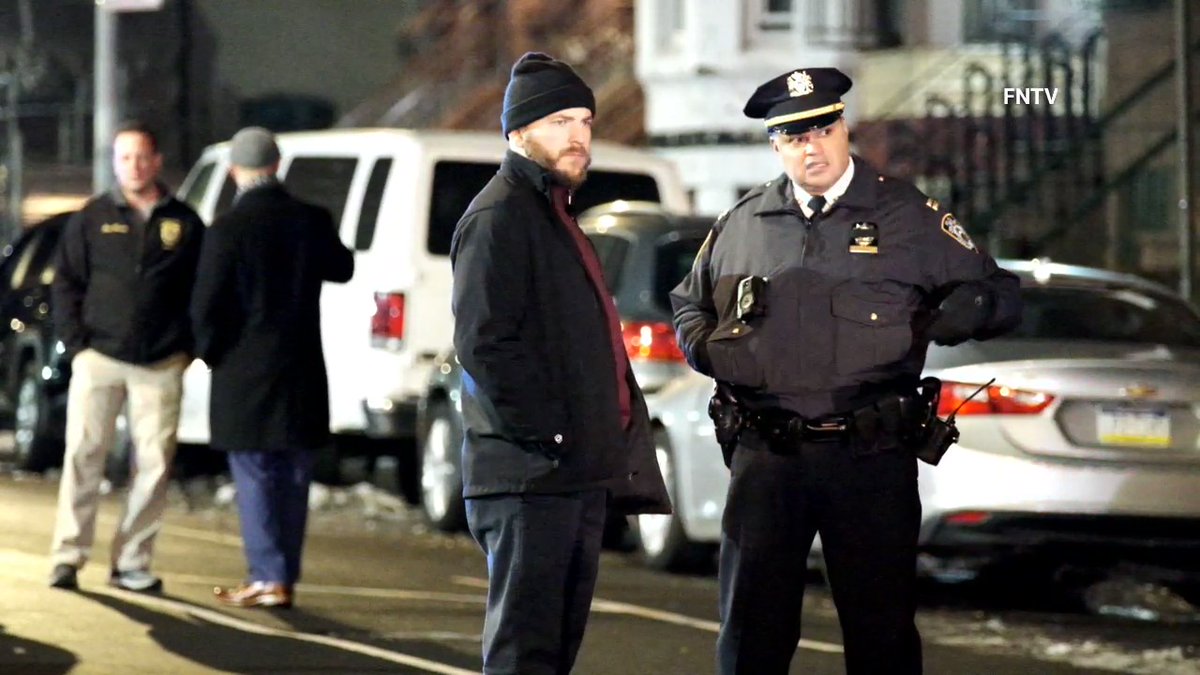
pixel 647 341
pixel 388 322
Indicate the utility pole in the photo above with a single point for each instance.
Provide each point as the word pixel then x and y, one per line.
pixel 1187 185
pixel 12 169
pixel 106 109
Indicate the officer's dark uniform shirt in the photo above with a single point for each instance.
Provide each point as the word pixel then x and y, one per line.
pixel 846 296
pixel 124 279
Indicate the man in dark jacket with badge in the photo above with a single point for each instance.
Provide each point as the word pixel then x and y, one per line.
pixel 257 314
pixel 124 274
pixel 555 423
pixel 812 304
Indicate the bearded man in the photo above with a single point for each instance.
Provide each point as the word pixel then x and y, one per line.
pixel 556 428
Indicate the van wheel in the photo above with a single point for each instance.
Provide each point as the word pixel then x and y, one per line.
pixel 35 448
pixel 662 541
pixel 441 470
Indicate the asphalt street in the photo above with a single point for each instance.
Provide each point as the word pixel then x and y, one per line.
pixel 381 593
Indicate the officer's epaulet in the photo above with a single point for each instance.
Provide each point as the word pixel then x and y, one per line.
pixel 719 223
pixel 752 193
pixel 946 221
pixel 903 193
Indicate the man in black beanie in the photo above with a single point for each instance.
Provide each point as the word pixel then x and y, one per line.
pixel 556 428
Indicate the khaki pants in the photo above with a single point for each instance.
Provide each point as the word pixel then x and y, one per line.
pixel 98 390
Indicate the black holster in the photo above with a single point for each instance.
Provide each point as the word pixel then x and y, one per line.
pixel 729 418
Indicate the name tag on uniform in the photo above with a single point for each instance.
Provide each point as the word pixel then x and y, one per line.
pixel 864 238
pixel 114 228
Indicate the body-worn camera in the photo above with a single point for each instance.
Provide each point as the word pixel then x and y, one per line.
pixel 751 298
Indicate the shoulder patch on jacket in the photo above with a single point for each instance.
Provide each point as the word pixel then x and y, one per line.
pixel 951 226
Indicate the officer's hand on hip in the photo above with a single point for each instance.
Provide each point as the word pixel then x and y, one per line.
pixel 961 314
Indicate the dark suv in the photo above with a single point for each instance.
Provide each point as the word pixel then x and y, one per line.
pixel 33 374
pixel 645 252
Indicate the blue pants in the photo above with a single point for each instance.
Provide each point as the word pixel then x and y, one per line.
pixel 272 499
pixel 543 556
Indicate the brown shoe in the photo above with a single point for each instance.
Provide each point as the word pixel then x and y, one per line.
pixel 255 594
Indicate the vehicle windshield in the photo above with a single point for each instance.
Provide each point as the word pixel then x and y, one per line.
pixel 1106 315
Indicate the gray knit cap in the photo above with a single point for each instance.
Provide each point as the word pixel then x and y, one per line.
pixel 253 148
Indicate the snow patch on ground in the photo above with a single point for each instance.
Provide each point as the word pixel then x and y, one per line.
pixel 998 636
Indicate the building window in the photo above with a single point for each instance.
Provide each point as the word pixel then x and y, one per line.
pixel 863 24
pixel 1148 206
pixel 672 24
pixel 998 20
pixel 775 14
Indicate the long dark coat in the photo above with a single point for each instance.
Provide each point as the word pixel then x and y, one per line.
pixel 540 386
pixel 257 320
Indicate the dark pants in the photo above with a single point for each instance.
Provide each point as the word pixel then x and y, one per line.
pixel 272 499
pixel 867 511
pixel 543 555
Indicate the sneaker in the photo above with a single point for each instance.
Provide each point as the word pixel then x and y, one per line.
pixel 138 581
pixel 63 576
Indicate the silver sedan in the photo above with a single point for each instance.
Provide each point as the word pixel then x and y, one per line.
pixel 1085 448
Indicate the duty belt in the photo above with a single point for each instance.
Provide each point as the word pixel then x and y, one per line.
pixel 891 415
pixel 776 425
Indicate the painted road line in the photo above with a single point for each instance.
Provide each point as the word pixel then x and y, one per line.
pixel 222 538
pixel 626 609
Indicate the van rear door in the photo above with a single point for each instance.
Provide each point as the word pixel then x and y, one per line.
pixel 336 183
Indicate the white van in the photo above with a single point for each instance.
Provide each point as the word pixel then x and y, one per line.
pixel 397 195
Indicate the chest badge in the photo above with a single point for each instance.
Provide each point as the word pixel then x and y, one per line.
pixel 114 228
pixel 864 238
pixel 171 231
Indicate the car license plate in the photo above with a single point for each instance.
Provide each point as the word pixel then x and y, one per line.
pixel 1134 427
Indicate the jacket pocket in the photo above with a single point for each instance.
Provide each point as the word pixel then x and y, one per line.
pixel 540 459
pixel 731 353
pixel 871 332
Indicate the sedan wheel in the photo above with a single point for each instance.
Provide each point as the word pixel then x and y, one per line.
pixel 33 447
pixel 661 538
pixel 441 477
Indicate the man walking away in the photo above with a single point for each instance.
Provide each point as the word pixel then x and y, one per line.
pixel 258 326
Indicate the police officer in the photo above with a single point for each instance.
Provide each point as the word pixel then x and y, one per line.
pixel 812 304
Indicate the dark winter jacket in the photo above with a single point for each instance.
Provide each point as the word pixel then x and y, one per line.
pixel 540 401
pixel 257 318
pixel 122 287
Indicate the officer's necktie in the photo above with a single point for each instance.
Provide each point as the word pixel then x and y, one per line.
pixel 817 205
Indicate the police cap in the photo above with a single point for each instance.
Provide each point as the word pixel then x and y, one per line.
pixel 800 100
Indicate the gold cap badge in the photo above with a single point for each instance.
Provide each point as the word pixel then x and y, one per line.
pixel 799 84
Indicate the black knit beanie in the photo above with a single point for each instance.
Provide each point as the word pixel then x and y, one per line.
pixel 541 85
